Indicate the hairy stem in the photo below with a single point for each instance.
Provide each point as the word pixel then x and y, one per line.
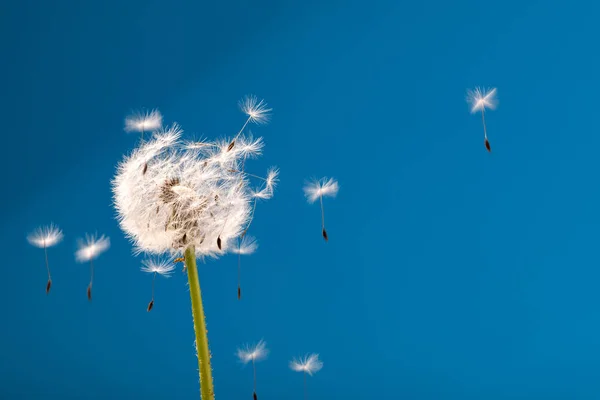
pixel 206 380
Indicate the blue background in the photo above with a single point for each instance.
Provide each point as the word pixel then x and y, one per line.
pixel 450 273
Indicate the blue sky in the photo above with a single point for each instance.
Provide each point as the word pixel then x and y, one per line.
pixel 450 273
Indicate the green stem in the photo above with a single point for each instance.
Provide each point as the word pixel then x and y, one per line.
pixel 206 380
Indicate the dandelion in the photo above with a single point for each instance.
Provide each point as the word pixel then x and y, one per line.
pixel 44 237
pixel 193 202
pixel 157 267
pixel 89 250
pixel 257 112
pixel 246 245
pixel 254 353
pixel 480 99
pixel 309 364
pixel 317 189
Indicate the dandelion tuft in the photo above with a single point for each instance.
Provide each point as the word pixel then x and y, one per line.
pixel 309 364
pixel 143 121
pixel 256 110
pixel 254 353
pixel 45 236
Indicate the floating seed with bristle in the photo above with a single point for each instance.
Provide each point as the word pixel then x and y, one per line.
pixel 487 146
pixel 89 292
pixel 255 398
pixel 325 235
pixel 150 305
pixel 48 286
pixel 239 293
pixel 231 145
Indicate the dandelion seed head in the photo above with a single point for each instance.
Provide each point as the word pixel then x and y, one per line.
pixel 188 196
pixel 247 246
pixel 256 352
pixel 481 99
pixel 45 236
pixel 309 364
pixel 256 110
pixel 320 188
pixel 91 247
pixel 162 267
pixel 143 121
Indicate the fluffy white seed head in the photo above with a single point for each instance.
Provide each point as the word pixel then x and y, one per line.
pixel 256 352
pixel 247 246
pixel 91 247
pixel 309 364
pixel 148 121
pixel 256 110
pixel 320 188
pixel 163 267
pixel 187 195
pixel 481 99
pixel 45 236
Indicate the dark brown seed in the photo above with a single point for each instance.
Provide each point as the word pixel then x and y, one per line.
pixel 219 242
pixel 239 293
pixel 48 286
pixel 184 239
pixel 89 293
pixel 231 145
pixel 145 169
pixel 487 146
pixel 325 235
pixel 150 305
pixel 255 398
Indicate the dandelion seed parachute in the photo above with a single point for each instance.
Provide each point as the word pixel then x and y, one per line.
pixel 480 99
pixel 44 237
pixel 157 267
pixel 308 365
pixel 89 250
pixel 257 112
pixel 254 353
pixel 246 245
pixel 317 189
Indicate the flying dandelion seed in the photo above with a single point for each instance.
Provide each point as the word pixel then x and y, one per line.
pixel 191 203
pixel 254 353
pixel 308 365
pixel 257 112
pixel 246 246
pixel 44 237
pixel 317 189
pixel 89 250
pixel 143 122
pixel 480 99
pixel 157 267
